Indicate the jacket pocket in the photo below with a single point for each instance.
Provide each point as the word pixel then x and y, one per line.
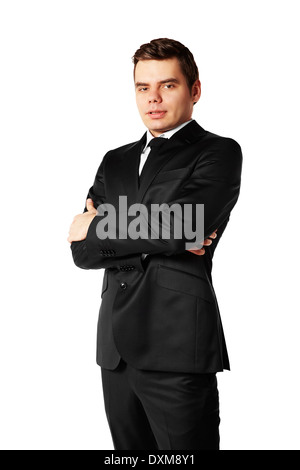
pixel 181 281
pixel 104 283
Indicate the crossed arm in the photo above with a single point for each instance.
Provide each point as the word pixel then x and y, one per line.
pixel 81 223
pixel 215 182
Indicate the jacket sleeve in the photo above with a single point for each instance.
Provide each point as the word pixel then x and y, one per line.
pixel 95 260
pixel 215 182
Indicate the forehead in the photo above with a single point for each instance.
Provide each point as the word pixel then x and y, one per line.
pixel 153 71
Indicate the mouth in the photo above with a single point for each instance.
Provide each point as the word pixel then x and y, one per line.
pixel 156 114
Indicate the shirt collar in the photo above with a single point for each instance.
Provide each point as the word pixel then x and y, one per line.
pixel 167 134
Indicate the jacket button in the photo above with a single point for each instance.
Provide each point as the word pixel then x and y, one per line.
pixel 123 285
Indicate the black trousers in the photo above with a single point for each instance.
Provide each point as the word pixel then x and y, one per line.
pixel 151 410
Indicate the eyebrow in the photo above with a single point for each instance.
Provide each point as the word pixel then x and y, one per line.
pixel 168 80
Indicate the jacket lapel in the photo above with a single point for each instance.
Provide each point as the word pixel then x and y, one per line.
pixel 127 176
pixel 177 142
pixel 126 179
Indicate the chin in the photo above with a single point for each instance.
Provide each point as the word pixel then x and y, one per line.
pixel 160 124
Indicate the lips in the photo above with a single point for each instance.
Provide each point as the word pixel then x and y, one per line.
pixel 156 114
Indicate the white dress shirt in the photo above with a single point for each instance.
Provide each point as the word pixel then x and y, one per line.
pixel 146 151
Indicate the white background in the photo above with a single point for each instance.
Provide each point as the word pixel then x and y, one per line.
pixel 67 97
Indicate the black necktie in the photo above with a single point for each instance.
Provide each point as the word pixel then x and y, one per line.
pixel 156 142
pixel 155 145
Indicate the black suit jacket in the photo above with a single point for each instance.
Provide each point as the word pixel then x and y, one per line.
pixel 162 313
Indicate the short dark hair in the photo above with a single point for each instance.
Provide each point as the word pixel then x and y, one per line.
pixel 164 48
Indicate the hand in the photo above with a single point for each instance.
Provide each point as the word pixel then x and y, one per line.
pixel 80 225
pixel 206 242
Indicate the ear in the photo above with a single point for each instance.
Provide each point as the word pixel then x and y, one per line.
pixel 196 91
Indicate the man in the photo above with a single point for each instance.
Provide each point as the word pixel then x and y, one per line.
pixel 160 337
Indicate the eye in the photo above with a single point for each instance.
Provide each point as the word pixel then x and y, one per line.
pixel 169 86
pixel 143 89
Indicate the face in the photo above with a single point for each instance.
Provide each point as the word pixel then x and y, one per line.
pixel 163 98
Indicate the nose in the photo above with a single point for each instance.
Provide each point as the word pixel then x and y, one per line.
pixel 155 97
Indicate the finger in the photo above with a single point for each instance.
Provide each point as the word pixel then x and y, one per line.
pixel 214 235
pixel 207 242
pixel 90 205
pixel 198 252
